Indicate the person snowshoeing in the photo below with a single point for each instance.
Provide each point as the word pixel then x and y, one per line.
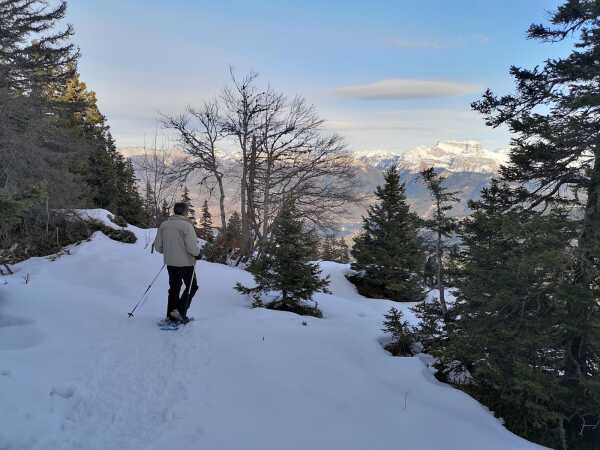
pixel 176 240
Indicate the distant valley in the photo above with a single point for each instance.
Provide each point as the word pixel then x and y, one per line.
pixel 467 166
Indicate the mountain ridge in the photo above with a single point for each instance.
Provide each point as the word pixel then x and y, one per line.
pixel 467 166
pixel 453 156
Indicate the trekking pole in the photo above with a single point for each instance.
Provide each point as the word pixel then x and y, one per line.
pixel 141 300
pixel 189 289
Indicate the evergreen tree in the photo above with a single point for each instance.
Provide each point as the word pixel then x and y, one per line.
pixel 29 58
pixel 328 252
pixel 36 152
pixel 234 231
pixel 39 158
pixel 80 115
pixel 399 331
pixel 388 254
pixel 441 224
pixel 149 206
pixel 59 153
pixel 191 212
pixel 554 118
pixel 515 267
pixel 314 244
pixel 164 212
pixel 110 176
pixel 227 244
pixel 129 204
pixel 343 252
pixel 333 249
pixel 205 230
pixel 284 266
pixel 81 106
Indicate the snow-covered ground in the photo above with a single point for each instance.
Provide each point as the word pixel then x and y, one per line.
pixel 77 373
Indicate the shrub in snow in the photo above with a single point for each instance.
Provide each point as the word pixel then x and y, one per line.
pixel 125 236
pixel 48 233
pixel 118 220
pixel 431 329
pixel 226 247
pixel 283 268
pixel 399 331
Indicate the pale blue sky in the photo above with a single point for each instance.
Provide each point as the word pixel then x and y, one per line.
pixel 367 66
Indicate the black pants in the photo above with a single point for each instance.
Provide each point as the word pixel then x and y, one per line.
pixel 177 277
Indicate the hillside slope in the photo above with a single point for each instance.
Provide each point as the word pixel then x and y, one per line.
pixel 76 373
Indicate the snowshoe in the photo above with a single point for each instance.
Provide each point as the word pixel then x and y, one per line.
pixel 168 324
pixel 172 325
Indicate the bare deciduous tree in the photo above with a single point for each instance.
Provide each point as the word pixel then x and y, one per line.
pixel 283 153
pixel 297 159
pixel 157 166
pixel 199 133
pixel 243 104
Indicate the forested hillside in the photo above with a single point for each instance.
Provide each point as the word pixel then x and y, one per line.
pixel 56 149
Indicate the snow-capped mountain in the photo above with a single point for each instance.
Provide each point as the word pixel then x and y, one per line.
pixel 453 156
pixel 467 166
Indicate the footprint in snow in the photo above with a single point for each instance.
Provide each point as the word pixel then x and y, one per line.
pixel 65 392
pixel 17 333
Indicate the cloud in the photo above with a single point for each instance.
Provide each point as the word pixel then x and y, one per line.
pixel 405 89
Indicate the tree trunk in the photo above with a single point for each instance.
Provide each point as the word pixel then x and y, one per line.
pixel 222 203
pixel 251 186
pixel 243 191
pixel 440 281
pixel 266 200
pixel 47 217
pixel 587 254
pixel 590 235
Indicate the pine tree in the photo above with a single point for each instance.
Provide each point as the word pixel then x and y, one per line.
pixel 284 266
pixel 314 244
pixel 110 176
pixel 514 267
pixel 81 107
pixel 388 253
pixel 226 246
pixel 81 115
pixel 399 330
pixel 343 252
pixel 441 225
pixel 191 212
pixel 164 212
pixel 553 116
pixel 234 231
pixel 61 150
pixel 29 58
pixel 128 203
pixel 328 252
pixel 40 160
pixel 205 230
pixel 149 206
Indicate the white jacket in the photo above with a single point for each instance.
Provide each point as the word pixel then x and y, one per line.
pixel 176 240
